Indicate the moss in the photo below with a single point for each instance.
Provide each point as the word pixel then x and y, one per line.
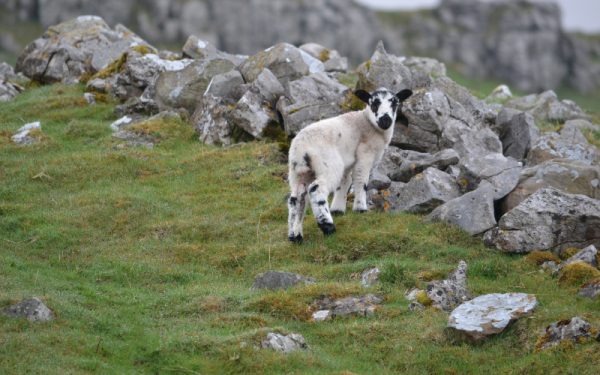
pixel 282 305
pixel 163 128
pixel 348 79
pixel 112 68
pixel 578 273
pixel 568 252
pixel 431 275
pixel 325 55
pixel 144 49
pixel 423 298
pixel 352 103
pixel 539 257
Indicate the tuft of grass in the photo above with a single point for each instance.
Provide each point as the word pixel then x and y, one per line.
pixel 539 257
pixel 578 273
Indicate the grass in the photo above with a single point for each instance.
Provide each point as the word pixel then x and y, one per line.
pixel 147 258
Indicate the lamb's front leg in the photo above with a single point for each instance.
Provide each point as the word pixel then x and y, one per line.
pixel 317 192
pixel 360 178
pixel 338 205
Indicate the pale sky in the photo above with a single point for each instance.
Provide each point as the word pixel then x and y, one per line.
pixel 578 15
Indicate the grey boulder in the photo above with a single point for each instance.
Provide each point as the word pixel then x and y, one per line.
pixel 587 255
pixel 473 212
pixel 273 280
pixel 451 292
pixel 548 220
pixel 490 314
pixel 547 107
pixel 573 330
pixel 349 306
pixel 501 172
pixel 25 135
pixel 332 60
pixel 210 120
pixel 517 132
pixel 284 343
pixel 370 277
pixel 384 70
pixel 198 49
pixel 590 289
pixel 402 165
pixel 570 144
pixel 32 309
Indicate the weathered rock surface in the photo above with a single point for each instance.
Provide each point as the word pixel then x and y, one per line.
pixel 591 289
pixel 253 114
pixel 490 314
pixel 67 51
pixel 402 165
pixel 310 99
pixel 32 309
pixel 26 134
pixel 384 70
pixel 587 255
pixel 8 90
pixel 573 330
pixel 547 107
pixel 279 280
pixel 473 212
pixel 370 277
pixel 183 88
pixel 548 220
pixel 500 94
pixel 569 144
pixel 361 306
pixel 569 176
pixel 501 172
pixel 284 343
pixel 198 49
pixel 332 60
pixel 424 192
pixel 225 85
pixel 211 123
pixel 451 292
pixel 517 132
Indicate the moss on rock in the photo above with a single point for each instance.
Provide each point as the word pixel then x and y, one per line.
pixel 578 273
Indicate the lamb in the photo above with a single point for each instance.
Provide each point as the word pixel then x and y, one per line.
pixel 333 154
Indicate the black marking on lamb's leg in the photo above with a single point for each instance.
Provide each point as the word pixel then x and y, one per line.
pixel 322 203
pixel 293 201
pixel 296 239
pixel 294 165
pixel 360 211
pixel 338 188
pixel 365 187
pixel 327 228
pixel 337 213
pixel 313 188
pixel 307 161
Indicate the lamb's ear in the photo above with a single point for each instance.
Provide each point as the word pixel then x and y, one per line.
pixel 363 95
pixel 403 120
pixel 404 94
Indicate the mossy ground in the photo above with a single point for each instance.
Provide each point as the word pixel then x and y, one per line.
pixel 147 258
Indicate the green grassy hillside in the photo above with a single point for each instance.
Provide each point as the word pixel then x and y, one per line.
pixel 147 257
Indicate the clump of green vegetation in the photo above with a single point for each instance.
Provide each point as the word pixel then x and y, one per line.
pixel 352 103
pixel 144 49
pixel 578 273
pixel 539 257
pixel 163 128
pixel 111 69
pixel 348 79
pixel 423 298
pixel 325 55
pixel 568 252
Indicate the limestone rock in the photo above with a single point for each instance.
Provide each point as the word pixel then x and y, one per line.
pixel 402 165
pixel 426 65
pixel 548 220
pixel 360 306
pixel 284 343
pixel 287 62
pixel 500 94
pixel 310 99
pixel 183 88
pixel 252 114
pixel 424 192
pixel 225 84
pixel 378 181
pixel 267 85
pixel 587 255
pixel 8 90
pixel 384 70
pixel 370 277
pixel 573 329
pixel 547 107
pixel 591 289
pixel 490 314
pixel 26 134
pixel 447 294
pixel 211 123
pixel 569 144
pixel 331 59
pixel 473 212
pixel 273 280
pixel 198 49
pixel 517 132
pixel 83 45
pixel 32 309
pixel 501 172
pixel 569 176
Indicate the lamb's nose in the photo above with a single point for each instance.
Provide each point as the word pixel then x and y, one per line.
pixel 385 122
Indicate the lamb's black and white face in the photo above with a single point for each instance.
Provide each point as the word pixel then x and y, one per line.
pixel 383 106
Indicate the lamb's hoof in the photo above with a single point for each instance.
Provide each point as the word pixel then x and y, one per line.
pixel 360 211
pixel 327 228
pixel 296 239
pixel 337 213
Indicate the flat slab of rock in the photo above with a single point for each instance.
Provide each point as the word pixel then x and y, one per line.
pixel 447 294
pixel 548 220
pixel 32 309
pixel 572 330
pixel 402 165
pixel 273 280
pixel 490 314
pixel 349 306
pixel 24 136
pixel 284 343
pixel 473 212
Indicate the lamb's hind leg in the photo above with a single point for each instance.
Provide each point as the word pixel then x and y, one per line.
pixel 296 211
pixel 318 192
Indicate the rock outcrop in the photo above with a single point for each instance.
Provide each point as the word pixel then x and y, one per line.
pixel 32 309
pixel 279 280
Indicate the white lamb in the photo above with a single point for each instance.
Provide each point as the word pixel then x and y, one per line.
pixel 332 154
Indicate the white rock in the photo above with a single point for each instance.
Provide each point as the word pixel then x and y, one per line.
pixel 90 98
pixel 370 277
pixel 490 313
pixel 117 125
pixel 321 315
pixel 22 137
pixel 283 343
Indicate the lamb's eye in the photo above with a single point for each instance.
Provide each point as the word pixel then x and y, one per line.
pixel 375 105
